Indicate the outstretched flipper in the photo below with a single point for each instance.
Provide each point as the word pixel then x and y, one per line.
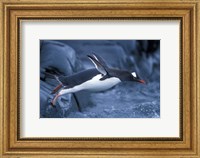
pixel 99 64
pixel 100 60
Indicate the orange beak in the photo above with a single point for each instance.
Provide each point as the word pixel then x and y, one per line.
pixel 142 81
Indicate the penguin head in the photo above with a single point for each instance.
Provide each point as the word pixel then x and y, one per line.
pixel 128 76
pixel 136 78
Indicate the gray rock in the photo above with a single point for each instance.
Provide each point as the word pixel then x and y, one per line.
pixel 113 53
pixel 62 58
pixel 58 56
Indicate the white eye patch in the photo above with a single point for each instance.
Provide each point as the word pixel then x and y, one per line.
pixel 134 74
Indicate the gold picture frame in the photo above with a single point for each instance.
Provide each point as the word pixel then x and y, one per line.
pixel 12 12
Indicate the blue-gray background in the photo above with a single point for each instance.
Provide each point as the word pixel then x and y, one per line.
pixel 126 100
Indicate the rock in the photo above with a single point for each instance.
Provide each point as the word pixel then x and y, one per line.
pixel 129 46
pixel 61 58
pixel 147 59
pixel 113 53
pixel 58 56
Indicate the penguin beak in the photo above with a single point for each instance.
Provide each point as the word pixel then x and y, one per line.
pixel 142 81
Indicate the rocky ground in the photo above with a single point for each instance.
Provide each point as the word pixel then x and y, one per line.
pixel 126 100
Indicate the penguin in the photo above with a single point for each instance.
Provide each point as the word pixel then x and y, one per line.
pixel 96 79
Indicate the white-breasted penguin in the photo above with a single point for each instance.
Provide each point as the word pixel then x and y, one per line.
pixel 97 79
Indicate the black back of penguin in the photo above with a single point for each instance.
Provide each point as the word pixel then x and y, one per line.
pixel 78 78
pixel 123 75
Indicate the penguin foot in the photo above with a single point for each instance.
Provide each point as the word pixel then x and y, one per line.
pixel 56 89
pixel 54 100
pixel 53 104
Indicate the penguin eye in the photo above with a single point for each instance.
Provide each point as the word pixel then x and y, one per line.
pixel 134 74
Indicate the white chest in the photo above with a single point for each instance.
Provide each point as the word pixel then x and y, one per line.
pixel 95 85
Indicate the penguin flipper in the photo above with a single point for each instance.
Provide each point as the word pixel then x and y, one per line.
pixel 100 60
pixel 104 77
pixel 98 65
